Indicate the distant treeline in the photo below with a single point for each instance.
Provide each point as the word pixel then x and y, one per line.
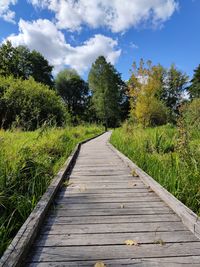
pixel 30 96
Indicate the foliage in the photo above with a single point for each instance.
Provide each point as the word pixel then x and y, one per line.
pixel 164 88
pixel 168 155
pixel 173 89
pixel 106 86
pixel 74 92
pixel 29 104
pixel 20 62
pixel 194 88
pixel 145 87
pixel 28 161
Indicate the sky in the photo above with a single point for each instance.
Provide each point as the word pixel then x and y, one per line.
pixel 73 33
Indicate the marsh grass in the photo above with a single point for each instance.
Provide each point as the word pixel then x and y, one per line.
pixel 164 155
pixel 28 161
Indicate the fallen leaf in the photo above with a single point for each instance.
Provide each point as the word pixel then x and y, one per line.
pixel 131 242
pixel 160 242
pixel 99 264
pixel 67 183
pixel 150 189
pixel 134 173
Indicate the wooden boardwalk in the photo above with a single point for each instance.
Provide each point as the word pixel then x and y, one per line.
pixel 103 207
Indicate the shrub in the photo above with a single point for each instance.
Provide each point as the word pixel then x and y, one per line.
pixel 29 104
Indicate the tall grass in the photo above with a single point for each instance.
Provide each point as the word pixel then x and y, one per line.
pixel 162 153
pixel 28 161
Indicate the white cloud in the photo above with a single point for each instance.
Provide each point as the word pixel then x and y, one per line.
pixel 117 15
pixel 5 11
pixel 43 36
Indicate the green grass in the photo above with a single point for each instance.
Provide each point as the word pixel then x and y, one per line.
pixel 159 152
pixel 28 161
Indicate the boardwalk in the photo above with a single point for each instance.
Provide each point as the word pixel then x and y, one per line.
pixel 104 206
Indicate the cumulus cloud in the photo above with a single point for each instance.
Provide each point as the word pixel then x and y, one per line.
pixel 44 36
pixel 5 11
pixel 117 15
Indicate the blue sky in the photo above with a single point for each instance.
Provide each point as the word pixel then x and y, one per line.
pixel 73 33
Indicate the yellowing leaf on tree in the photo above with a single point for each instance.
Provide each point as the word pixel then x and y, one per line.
pixel 99 264
pixel 131 242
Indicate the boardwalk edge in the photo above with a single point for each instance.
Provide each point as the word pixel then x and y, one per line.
pixel 18 248
pixel 188 217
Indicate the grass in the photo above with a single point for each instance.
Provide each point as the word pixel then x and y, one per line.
pixel 28 162
pixel 163 154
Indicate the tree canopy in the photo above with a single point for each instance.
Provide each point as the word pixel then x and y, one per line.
pixel 74 91
pixel 20 62
pixel 194 88
pixel 107 88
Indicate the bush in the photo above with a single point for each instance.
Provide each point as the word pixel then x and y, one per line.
pixel 29 104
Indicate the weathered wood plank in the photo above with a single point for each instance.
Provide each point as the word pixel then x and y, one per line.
pixel 124 211
pixel 115 252
pixel 114 239
pixel 56 229
pixel 147 262
pixel 113 219
pixel 108 205
pixel 102 199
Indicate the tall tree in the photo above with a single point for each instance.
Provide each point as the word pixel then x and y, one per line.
pixel 20 62
pixel 194 88
pixel 74 91
pixel 145 87
pixel 173 89
pixel 106 86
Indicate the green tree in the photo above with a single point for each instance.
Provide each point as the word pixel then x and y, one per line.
pixel 173 90
pixel 194 88
pixel 74 91
pixel 20 62
pixel 29 104
pixel 106 86
pixel 41 71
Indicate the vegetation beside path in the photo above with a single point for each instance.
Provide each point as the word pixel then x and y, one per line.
pixel 165 154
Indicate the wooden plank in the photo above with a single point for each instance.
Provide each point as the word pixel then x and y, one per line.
pixel 114 239
pixel 192 261
pixel 113 219
pixel 108 205
pixel 189 218
pixel 129 195
pixel 115 252
pixel 107 186
pixel 56 229
pixel 100 199
pixel 108 212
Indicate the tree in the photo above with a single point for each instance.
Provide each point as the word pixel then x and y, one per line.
pixel 20 62
pixel 41 71
pixel 145 87
pixel 173 89
pixel 194 88
pixel 74 91
pixel 106 85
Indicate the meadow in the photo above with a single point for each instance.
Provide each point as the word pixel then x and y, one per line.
pixel 169 154
pixel 28 162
